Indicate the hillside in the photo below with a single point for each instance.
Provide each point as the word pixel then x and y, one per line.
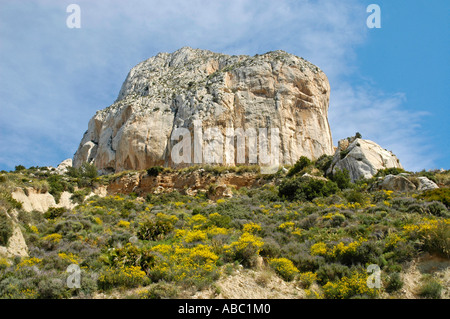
pixel 223 232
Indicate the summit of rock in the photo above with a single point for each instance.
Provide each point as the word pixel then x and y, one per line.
pixel 172 90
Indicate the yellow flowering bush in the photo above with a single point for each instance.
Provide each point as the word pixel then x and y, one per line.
pixel 197 221
pixel 307 278
pixel 251 228
pixel 53 238
pixel 297 232
pixel 125 276
pixel 287 226
pixel 433 233
pixel 214 231
pixel 29 293
pixel 4 263
pixel 339 251
pixel 123 224
pixel 348 287
pixel 69 257
pixel 180 233
pixel 392 240
pixel 195 235
pixel 284 267
pixel 342 250
pixel 178 204
pixel 178 263
pixel 34 229
pixel 28 262
pixel 319 249
pixel 245 249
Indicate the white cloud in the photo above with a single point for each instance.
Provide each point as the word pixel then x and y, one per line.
pixel 382 118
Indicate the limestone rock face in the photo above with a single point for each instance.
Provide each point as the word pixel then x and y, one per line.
pixel 16 245
pixel 362 158
pixel 62 167
pixel 191 88
pixel 426 184
pixel 41 202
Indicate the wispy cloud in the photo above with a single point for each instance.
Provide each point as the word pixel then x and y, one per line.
pixel 382 118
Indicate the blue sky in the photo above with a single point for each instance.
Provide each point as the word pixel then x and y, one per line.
pixel 390 84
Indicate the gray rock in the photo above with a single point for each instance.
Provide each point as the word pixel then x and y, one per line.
pixel 169 91
pixel 397 183
pixel 426 184
pixel 362 158
pixel 63 166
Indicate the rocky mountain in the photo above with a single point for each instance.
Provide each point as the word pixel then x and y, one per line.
pixel 208 99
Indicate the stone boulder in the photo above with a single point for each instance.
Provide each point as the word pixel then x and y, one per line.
pixel 362 158
pixel 63 166
pixel 397 183
pixel 426 184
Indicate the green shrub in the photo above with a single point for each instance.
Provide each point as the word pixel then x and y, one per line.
pixel 344 153
pixel 245 250
pixel 6 228
pixel 78 196
pixel 438 209
pixel 154 171
pixel 57 186
pixel 284 267
pixel 8 202
pixel 270 249
pixel 19 168
pixel 323 163
pixel 430 289
pixel 130 255
pixel 349 287
pixel 86 170
pixel 331 272
pixel 52 286
pixel 54 212
pixel 439 194
pixel 127 277
pixel 341 178
pixel 160 290
pixel 389 171
pixel 356 196
pixel 157 228
pixel 437 239
pixel 394 283
pixel 305 189
pixel 302 163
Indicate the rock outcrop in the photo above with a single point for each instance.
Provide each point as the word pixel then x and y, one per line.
pixel 41 202
pixel 63 166
pixel 197 90
pixel 397 183
pixel 426 184
pixel 362 158
pixel 16 245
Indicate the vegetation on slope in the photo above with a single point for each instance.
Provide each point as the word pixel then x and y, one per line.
pixel 312 232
